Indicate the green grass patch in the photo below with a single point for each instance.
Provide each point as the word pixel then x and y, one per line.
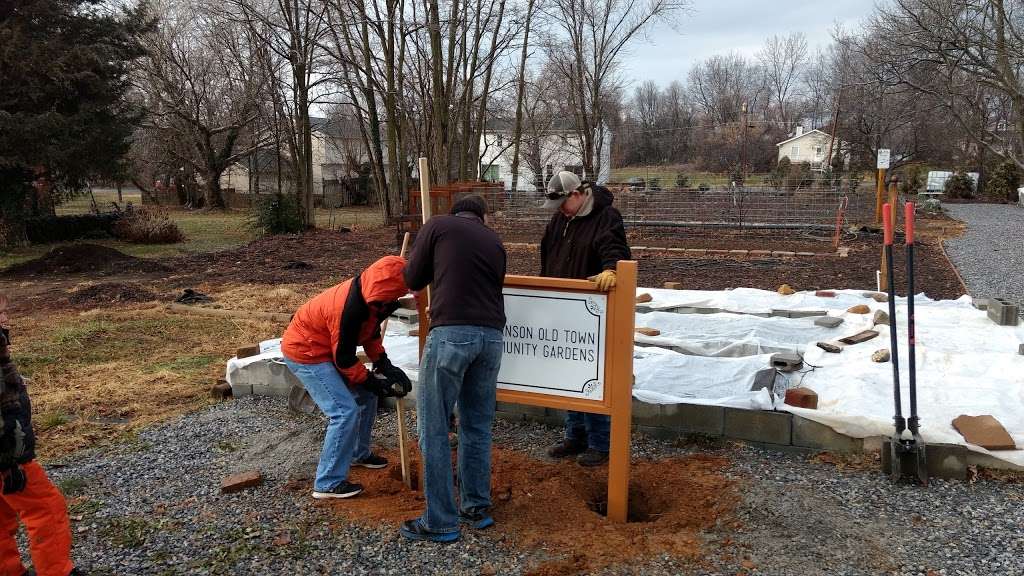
pixel 128 531
pixel 84 507
pixel 72 486
pixel 184 365
pixel 80 335
pixel 51 420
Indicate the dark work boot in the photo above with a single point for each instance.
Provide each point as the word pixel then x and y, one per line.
pixel 567 448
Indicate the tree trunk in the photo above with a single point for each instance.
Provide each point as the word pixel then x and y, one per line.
pixel 517 130
pixel 213 195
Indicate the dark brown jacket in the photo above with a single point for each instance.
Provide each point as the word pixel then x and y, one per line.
pixel 17 440
pixel 583 246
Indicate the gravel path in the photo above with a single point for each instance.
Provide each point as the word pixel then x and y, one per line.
pixel 153 506
pixel 990 254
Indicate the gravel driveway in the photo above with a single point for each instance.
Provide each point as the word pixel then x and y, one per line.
pixel 990 254
pixel 153 506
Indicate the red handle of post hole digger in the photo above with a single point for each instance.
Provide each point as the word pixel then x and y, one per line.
pixel 908 222
pixel 887 222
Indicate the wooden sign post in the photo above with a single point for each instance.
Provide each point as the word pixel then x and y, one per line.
pixel 569 346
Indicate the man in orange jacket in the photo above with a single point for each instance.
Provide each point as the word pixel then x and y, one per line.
pixel 27 493
pixel 319 347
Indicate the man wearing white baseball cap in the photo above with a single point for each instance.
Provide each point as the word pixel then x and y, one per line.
pixel 584 239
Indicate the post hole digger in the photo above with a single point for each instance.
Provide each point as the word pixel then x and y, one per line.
pixel 906 456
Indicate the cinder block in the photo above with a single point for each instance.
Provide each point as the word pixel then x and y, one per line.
pixel 947 461
pixel 759 426
pixel 1020 349
pixel 1003 312
pixel 811 434
pixel 786 361
pixel 779 313
pixel 407 316
pixel 980 303
pixel 238 389
pixel 699 418
pixel 706 310
pixel 643 411
pixel 828 321
pixel 658 432
pixel 764 378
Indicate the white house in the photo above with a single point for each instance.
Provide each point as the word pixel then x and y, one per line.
pixel 811 147
pixel 337 153
pixel 541 154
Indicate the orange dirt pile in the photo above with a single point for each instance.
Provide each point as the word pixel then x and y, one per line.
pixel 558 508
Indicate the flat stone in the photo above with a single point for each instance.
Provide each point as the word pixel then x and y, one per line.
pixel 828 321
pixel 706 310
pixel 782 253
pixel 781 313
pixel 984 431
pixel 760 252
pixel 881 355
pixel 880 317
pixel 825 294
pixel 862 336
pixel 806 313
pixel 673 285
pixel 786 290
pixel 241 481
pixel 644 298
pixel 648 331
pixel 827 347
pixel 859 309
pixel 802 398
pixel 739 252
pixel 876 296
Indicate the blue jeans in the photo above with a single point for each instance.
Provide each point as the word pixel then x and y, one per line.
pixel 591 429
pixel 350 414
pixel 460 365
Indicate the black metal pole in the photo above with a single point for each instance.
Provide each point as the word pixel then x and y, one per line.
pixel 901 423
pixel 911 360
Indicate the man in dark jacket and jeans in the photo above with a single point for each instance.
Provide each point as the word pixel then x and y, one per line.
pixel 584 239
pixel 463 261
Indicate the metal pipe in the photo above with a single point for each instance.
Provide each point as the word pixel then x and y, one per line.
pixel 901 423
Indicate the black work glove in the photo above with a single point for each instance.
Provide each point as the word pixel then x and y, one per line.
pixel 378 384
pixel 398 382
pixel 14 480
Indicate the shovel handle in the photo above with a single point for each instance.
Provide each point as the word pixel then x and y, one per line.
pixel 887 222
pixel 908 222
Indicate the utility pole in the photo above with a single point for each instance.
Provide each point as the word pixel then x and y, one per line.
pixel 743 145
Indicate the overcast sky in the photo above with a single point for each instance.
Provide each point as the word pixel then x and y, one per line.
pixel 720 26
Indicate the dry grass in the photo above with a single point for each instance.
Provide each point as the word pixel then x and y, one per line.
pixel 285 298
pixel 100 375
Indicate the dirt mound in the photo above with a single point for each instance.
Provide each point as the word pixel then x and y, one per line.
pixel 79 258
pixel 111 293
pixel 560 508
pixel 318 256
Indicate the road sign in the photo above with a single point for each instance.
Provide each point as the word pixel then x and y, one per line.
pixel 883 158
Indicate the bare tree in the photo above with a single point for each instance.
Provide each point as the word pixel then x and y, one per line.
pixel 783 60
pixel 200 93
pixel 593 36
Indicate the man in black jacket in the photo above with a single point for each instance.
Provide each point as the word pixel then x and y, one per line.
pixel 584 239
pixel 463 261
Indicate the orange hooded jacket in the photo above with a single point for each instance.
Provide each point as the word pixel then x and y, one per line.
pixel 330 326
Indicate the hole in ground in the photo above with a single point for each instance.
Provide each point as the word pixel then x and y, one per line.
pixel 645 505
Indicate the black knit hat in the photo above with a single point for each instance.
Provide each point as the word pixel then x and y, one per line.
pixel 472 203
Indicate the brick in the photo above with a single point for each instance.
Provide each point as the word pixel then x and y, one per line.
pixel 648 331
pixel 862 336
pixel 241 481
pixel 828 321
pixel 1003 312
pixel 760 252
pixel 247 351
pixel 739 252
pixel 782 253
pixel 759 426
pixel 644 298
pixel 802 398
pixel 673 285
pixel 811 434
pixel 825 294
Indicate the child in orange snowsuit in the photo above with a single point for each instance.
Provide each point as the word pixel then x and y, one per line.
pixel 28 494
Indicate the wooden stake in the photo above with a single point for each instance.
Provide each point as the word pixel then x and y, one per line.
pixel 620 376
pixel 423 303
pixel 403 434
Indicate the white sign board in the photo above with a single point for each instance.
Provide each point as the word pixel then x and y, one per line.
pixel 883 158
pixel 554 343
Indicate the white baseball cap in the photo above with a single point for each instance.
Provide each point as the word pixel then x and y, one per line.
pixel 560 187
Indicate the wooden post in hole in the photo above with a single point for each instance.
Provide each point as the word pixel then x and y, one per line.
pixel 423 303
pixel 620 375
pixel 403 434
